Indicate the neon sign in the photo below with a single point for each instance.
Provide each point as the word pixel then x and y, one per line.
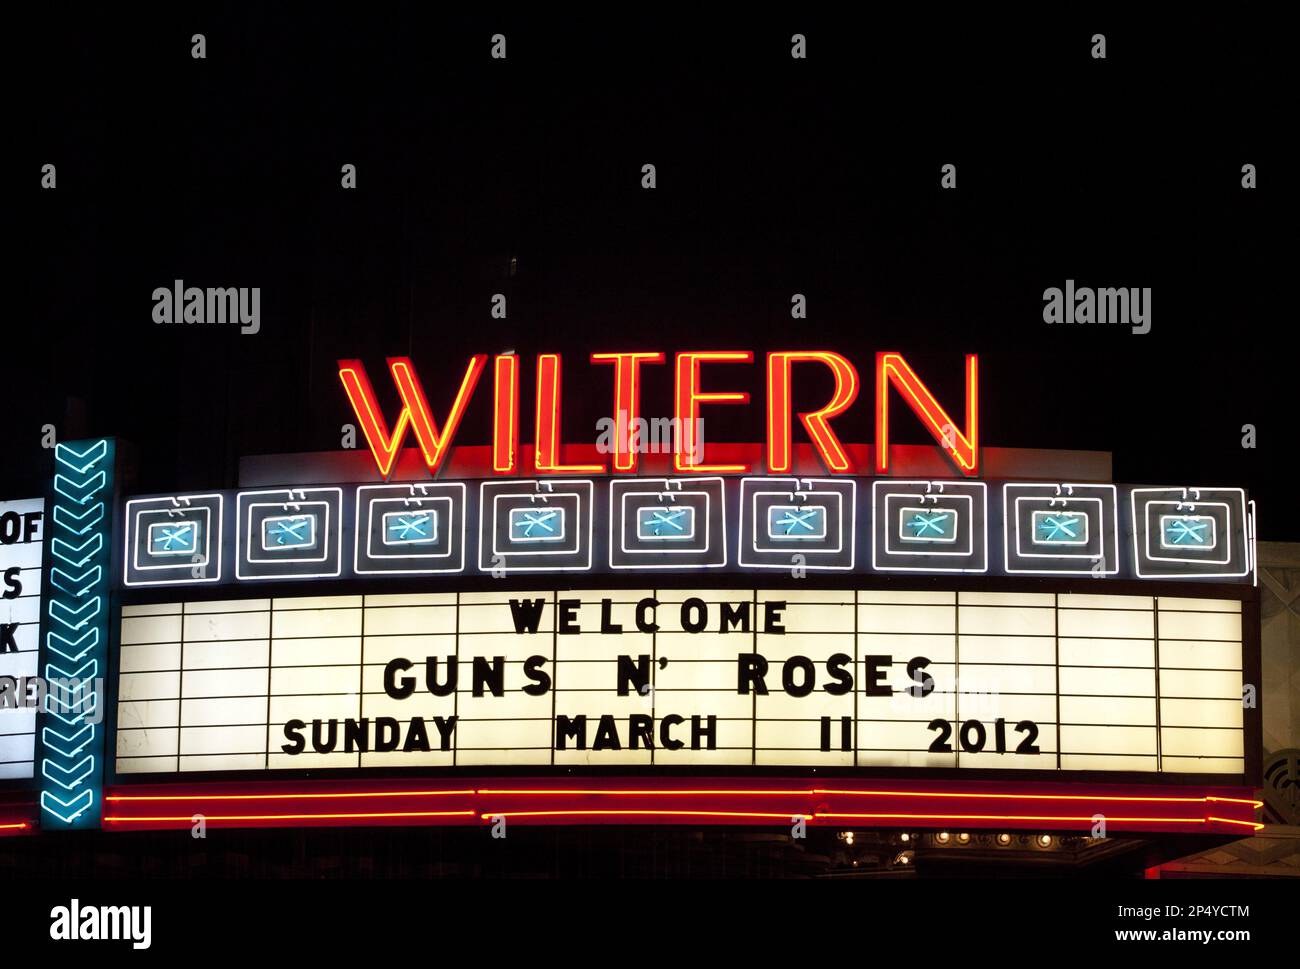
pixel 694 389
pixel 76 638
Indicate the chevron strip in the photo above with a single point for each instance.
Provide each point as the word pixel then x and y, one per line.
pixel 69 519
pixel 68 777
pixel 83 613
pixel 82 461
pixel 90 638
pixel 80 491
pixel 66 550
pixel 69 810
pixel 75 585
pixel 68 745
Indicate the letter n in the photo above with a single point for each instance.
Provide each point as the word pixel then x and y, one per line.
pixel 963 449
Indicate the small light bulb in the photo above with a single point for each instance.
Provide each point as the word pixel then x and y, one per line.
pixel 942 837
pixel 963 838
pixel 1045 840
pixel 1004 839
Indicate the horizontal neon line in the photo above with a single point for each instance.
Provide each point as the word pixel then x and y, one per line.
pixel 1254 825
pixel 636 792
pixel 9 827
pixel 654 813
pixel 276 797
pixel 294 817
pixel 813 791
pixel 1015 817
pixel 689 792
pixel 713 814
pixel 1031 797
pixel 1236 800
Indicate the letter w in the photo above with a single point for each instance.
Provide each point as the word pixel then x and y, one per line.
pixel 527 613
pixel 384 445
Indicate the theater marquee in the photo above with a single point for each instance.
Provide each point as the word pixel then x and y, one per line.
pixel 735 633
pixel 684 678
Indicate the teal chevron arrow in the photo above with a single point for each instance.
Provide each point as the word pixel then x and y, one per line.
pixel 88 458
pixel 69 519
pixel 79 491
pixel 75 585
pixel 60 808
pixel 68 746
pixel 52 672
pixel 88 609
pixel 77 773
pixel 91 634
pixel 72 748
pixel 51 709
pixel 66 550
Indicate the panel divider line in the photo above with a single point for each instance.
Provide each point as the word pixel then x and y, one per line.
pixel 361 676
pixel 857 678
pixel 270 646
pixel 1155 619
pixel 654 675
pixel 555 665
pixel 956 665
pixel 180 684
pixel 455 693
pixel 1056 643
pixel 753 718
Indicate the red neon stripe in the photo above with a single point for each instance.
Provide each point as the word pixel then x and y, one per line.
pixel 116 819
pixel 1252 824
pixel 1236 800
pixel 643 792
pixel 488 815
pixel 706 802
pixel 1011 817
pixel 278 797
pixel 1017 796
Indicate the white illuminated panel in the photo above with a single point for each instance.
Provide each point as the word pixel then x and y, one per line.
pixel 22 537
pixel 1200 685
pixel 646 677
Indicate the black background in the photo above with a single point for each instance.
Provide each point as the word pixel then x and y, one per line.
pixel 775 176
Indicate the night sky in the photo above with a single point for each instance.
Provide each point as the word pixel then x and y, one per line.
pixel 775 176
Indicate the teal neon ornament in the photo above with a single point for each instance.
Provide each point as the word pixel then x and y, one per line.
pixel 1060 528
pixel 928 525
pixel 75 625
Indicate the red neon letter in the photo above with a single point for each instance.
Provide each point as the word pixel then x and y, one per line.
pixel 434 443
pixel 546 446
pixel 690 448
pixel 962 448
pixel 779 430
pixel 505 416
pixel 415 411
pixel 362 397
pixel 627 402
